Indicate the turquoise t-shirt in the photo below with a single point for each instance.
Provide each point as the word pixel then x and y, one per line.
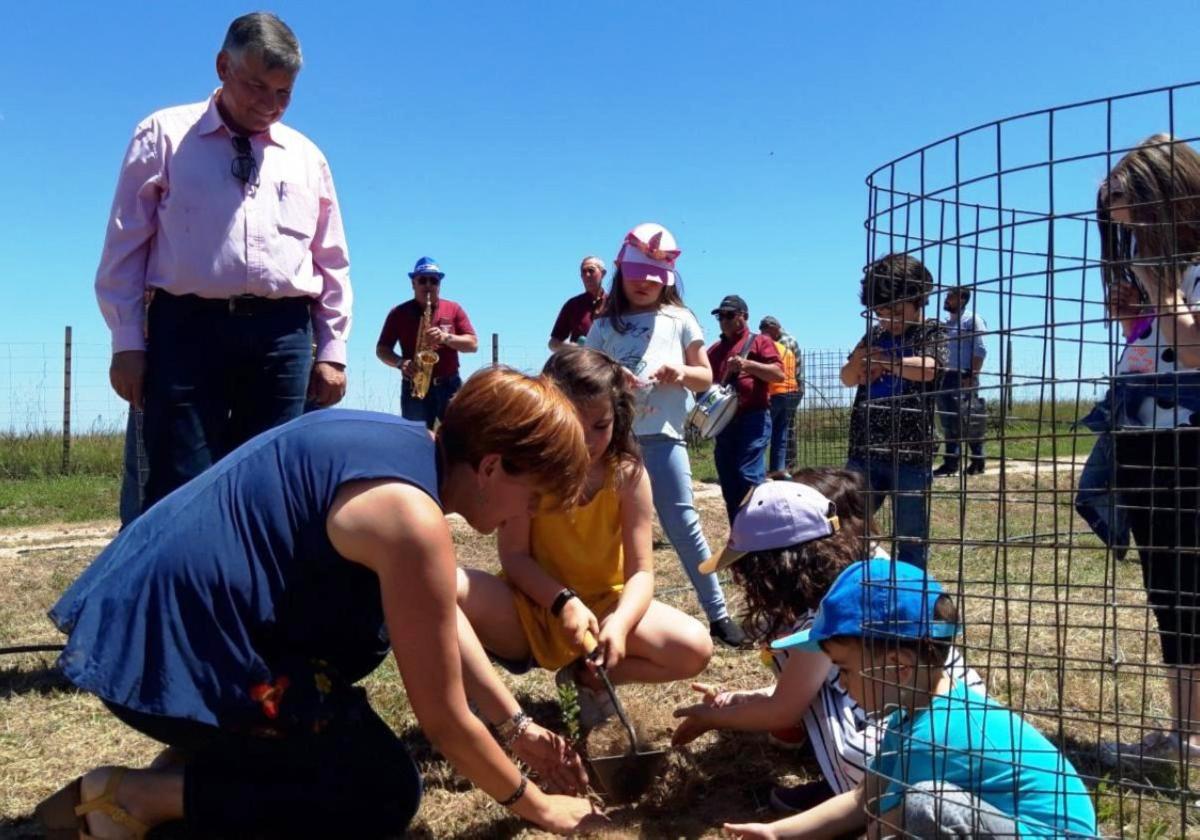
pixel 969 740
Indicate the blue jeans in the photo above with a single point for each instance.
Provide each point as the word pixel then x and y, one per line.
pixel 739 456
pixel 216 378
pixel 783 417
pixel 133 478
pixel 670 473
pixel 908 487
pixel 433 407
pixel 951 413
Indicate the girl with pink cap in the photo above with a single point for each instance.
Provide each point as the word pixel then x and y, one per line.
pixel 658 340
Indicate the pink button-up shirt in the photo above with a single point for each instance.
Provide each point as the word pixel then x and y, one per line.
pixel 183 223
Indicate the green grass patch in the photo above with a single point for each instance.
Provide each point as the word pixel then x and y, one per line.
pixel 40 454
pixel 78 497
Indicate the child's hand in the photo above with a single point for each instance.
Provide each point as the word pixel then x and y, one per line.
pixel 697 720
pixel 558 767
pixel 668 374
pixel 612 639
pixel 751 831
pixel 577 620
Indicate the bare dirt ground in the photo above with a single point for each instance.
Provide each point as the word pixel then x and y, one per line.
pixel 1046 613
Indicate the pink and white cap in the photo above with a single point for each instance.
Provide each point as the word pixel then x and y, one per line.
pixel 649 253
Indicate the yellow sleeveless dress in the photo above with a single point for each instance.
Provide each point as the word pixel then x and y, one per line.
pixel 580 548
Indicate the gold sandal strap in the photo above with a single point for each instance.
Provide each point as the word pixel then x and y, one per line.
pixel 106 803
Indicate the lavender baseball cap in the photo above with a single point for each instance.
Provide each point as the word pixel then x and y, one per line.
pixel 777 514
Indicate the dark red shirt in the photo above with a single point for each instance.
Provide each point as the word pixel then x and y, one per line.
pixel 751 391
pixel 575 317
pixel 402 323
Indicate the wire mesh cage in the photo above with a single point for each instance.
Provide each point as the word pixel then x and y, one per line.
pixel 1051 489
pixel 823 415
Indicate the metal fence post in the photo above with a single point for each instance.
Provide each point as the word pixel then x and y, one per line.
pixel 66 432
pixel 495 348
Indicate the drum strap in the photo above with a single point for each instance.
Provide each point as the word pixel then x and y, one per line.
pixel 744 352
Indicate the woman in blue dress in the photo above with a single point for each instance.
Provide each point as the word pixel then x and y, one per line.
pixel 232 619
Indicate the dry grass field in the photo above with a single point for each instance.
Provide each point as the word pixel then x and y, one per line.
pixel 1047 616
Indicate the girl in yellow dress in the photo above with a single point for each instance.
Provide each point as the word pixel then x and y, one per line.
pixel 588 569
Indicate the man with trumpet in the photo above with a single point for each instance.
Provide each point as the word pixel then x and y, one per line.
pixel 432 331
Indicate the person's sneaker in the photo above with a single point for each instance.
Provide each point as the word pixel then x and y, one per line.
pixel 793 800
pixel 727 632
pixel 792 738
pixel 595 706
pixel 1158 747
pixel 978 465
pixel 947 468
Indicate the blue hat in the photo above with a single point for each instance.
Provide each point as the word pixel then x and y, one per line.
pixel 877 598
pixel 426 265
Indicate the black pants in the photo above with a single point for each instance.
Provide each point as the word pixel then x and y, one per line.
pixel 353 779
pixel 1158 479
pixel 216 378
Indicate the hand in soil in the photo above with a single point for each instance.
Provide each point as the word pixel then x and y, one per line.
pixel 557 766
pixel 570 815
pixel 696 721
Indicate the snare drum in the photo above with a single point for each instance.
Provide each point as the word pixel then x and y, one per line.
pixel 713 411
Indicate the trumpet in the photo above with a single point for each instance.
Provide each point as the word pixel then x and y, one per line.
pixel 425 357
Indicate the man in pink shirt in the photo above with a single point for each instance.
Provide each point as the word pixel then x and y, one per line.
pixel 230 217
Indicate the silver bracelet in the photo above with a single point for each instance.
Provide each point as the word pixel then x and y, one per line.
pixel 513 728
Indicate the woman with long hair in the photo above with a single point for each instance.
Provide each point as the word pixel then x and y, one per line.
pixel 1148 212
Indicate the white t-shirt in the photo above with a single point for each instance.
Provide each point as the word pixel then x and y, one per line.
pixel 1149 353
pixel 651 340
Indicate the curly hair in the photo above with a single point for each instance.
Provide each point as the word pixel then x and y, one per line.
pixel 783 584
pixel 896 278
pixel 585 374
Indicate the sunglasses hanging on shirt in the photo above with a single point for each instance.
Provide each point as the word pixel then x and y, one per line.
pixel 244 166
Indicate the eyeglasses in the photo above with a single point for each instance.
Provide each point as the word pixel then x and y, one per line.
pixel 727 316
pixel 244 166
pixel 427 280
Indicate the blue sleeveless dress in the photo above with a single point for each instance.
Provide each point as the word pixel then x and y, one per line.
pixel 227 595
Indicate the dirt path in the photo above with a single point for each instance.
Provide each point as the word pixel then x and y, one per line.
pixel 31 539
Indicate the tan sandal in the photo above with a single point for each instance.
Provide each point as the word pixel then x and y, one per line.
pixel 64 816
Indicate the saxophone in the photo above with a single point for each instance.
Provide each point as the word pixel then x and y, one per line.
pixel 425 357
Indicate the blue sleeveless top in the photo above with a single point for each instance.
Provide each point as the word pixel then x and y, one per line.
pixel 196 609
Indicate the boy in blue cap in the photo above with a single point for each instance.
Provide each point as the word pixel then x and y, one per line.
pixel 952 762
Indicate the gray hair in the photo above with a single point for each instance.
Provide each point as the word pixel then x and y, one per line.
pixel 268 37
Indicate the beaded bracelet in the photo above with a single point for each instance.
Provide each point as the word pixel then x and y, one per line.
pixel 517 794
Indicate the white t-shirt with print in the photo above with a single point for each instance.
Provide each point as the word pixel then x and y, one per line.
pixel 1149 353
pixel 651 340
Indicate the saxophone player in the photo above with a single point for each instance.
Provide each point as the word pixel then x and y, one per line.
pixel 447 333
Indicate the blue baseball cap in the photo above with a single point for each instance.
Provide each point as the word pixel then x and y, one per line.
pixel 426 265
pixel 877 598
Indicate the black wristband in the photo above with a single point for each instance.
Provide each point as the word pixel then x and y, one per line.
pixel 560 601
pixel 517 794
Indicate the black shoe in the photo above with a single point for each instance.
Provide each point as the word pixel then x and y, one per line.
pixel 793 800
pixel 977 466
pixel 947 468
pixel 727 632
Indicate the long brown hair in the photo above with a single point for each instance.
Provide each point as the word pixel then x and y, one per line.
pixel 527 421
pixel 585 374
pixel 618 303
pixel 782 584
pixel 1159 182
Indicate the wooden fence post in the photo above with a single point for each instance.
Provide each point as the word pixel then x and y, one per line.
pixel 66 433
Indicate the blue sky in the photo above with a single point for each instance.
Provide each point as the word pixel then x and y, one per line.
pixel 509 139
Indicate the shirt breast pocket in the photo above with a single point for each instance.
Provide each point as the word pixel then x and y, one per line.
pixel 298 209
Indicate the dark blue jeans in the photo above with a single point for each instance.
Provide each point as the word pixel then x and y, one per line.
pixel 133 478
pixel 215 379
pixel 907 485
pixel 739 456
pixel 433 407
pixel 783 417
pixel 353 779
pixel 950 410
